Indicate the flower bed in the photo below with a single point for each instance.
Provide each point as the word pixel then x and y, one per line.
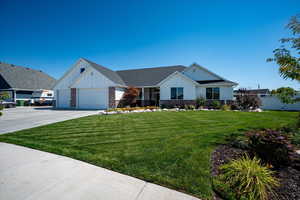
pixel 127 110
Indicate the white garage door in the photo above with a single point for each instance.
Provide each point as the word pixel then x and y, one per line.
pixel 92 98
pixel 63 98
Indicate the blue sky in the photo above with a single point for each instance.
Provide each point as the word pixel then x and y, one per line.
pixel 231 38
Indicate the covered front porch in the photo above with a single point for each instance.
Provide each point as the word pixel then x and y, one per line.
pixel 148 96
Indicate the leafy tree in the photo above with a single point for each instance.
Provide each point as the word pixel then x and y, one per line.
pixel 289 64
pixel 129 97
pixel 3 96
pixel 247 101
pixel 285 94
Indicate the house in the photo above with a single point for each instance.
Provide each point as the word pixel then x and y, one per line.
pixel 87 85
pixel 22 82
pixel 257 92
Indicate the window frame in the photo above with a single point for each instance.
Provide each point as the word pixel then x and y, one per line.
pixel 214 95
pixel 179 93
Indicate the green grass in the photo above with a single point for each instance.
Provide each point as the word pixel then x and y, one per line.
pixel 168 148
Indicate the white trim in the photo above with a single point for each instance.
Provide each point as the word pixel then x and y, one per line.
pixel 180 74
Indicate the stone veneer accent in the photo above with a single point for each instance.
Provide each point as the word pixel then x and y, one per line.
pixel 180 102
pixel 111 97
pixel 175 102
pixel 73 97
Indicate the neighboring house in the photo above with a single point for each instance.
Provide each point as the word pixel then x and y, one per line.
pixel 257 92
pixel 87 85
pixel 22 82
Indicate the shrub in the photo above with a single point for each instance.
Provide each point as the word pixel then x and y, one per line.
pixel 247 101
pixel 1 107
pixel 248 179
pixel 234 106
pixel 216 104
pixel 189 107
pixel 225 107
pixel 200 102
pixel 1 114
pixel 271 146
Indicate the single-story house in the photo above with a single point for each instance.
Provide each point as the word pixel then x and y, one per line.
pixel 258 92
pixel 25 84
pixel 87 85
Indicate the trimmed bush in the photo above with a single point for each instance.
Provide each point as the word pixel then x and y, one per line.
pixel 271 146
pixel 225 107
pixel 189 107
pixel 247 179
pixel 200 102
pixel 216 104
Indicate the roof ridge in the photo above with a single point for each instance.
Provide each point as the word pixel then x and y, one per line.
pixel 152 68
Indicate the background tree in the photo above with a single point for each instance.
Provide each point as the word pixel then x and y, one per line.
pixel 285 94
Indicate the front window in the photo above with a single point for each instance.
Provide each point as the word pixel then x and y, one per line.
pixel 177 93
pixel 213 93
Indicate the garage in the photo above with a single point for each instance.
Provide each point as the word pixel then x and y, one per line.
pixel 63 97
pixel 92 98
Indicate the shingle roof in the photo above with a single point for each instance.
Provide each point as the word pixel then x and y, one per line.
pixel 12 76
pixel 112 75
pixel 147 76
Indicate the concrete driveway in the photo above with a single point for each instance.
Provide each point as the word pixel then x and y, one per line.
pixel 29 174
pixel 19 118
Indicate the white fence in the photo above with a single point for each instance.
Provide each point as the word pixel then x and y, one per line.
pixel 274 103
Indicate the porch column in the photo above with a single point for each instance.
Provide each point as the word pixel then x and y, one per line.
pixel 15 95
pixel 143 97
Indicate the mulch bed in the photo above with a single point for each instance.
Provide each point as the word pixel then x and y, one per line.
pixel 289 177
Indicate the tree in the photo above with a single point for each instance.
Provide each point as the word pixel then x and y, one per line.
pixel 289 64
pixel 285 94
pixel 3 96
pixel 129 97
pixel 247 101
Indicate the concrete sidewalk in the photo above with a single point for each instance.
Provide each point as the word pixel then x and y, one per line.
pixel 29 174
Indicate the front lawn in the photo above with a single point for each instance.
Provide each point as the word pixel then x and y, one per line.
pixel 168 148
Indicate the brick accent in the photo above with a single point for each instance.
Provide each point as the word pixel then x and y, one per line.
pixel 73 97
pixel 111 97
pixel 178 102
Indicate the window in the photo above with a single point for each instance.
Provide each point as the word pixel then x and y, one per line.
pixel 212 93
pixel 82 70
pixel 49 95
pixel 177 93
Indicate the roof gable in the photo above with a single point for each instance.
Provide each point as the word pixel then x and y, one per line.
pixel 181 75
pixel 112 75
pixel 24 78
